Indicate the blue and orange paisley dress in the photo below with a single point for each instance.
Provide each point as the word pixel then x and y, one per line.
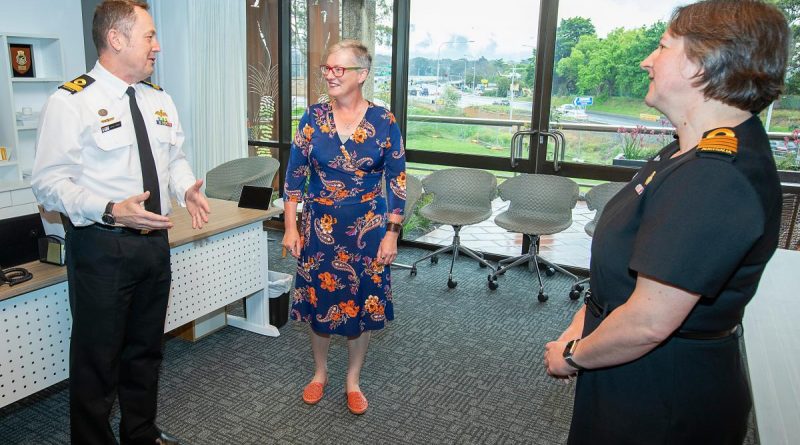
pixel 340 288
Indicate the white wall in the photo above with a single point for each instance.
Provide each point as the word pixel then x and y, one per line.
pixel 59 18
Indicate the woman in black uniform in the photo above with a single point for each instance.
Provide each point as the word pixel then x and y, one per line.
pixel 679 251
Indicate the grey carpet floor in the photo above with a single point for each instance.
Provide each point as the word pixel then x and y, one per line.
pixel 457 365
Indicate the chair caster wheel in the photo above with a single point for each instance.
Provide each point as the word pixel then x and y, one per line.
pixel 542 297
pixel 492 283
pixel 578 287
pixel 413 271
pixel 451 284
pixel 549 271
pixel 574 294
pixel 481 265
pixel 434 260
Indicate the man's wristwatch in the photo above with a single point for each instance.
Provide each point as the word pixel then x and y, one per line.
pixel 572 345
pixel 108 217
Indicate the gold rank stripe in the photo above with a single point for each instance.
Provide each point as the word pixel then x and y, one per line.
pixel 721 140
pixel 152 85
pixel 73 86
pixel 77 84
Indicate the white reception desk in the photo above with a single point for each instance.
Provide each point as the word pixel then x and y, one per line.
pixel 223 262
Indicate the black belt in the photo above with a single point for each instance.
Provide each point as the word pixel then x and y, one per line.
pixel 703 335
pixel 68 226
pixel 602 311
pixel 123 230
pixel 599 311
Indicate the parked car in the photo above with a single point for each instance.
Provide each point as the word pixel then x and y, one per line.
pixel 572 112
pixel 783 146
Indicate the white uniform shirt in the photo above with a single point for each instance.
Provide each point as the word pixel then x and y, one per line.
pixel 86 151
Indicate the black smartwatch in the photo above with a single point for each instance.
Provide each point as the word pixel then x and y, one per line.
pixel 108 217
pixel 572 345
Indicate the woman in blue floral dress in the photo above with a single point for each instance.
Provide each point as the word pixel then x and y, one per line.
pixel 341 153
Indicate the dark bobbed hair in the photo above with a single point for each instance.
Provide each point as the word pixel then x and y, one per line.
pixel 114 14
pixel 741 46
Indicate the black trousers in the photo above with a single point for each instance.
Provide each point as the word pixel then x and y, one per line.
pixel 119 288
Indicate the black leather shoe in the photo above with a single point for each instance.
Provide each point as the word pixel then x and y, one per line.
pixel 166 439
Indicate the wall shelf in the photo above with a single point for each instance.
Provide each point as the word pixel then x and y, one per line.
pixel 35 79
pixel 25 93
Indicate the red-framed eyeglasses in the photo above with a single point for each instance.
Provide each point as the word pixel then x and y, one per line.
pixel 338 71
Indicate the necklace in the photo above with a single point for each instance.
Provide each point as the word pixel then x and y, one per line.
pixel 351 125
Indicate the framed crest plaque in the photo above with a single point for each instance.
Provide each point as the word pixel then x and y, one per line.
pixel 21 59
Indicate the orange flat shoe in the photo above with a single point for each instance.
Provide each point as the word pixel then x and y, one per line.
pixel 356 402
pixel 313 392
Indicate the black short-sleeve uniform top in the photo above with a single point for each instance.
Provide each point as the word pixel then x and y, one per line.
pixel 707 222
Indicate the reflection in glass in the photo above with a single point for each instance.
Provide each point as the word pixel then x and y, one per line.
pixel 317 24
pixel 262 72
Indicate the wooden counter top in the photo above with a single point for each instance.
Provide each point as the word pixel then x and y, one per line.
pixel 225 215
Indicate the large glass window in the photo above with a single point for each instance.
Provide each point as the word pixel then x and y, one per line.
pixel 598 88
pixel 471 79
pixel 782 118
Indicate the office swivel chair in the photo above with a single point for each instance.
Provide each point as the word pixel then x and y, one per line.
pixel 226 180
pixel 596 199
pixel 538 205
pixel 461 197
pixel 413 193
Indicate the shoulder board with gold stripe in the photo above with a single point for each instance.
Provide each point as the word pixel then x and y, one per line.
pixel 719 141
pixel 77 84
pixel 152 85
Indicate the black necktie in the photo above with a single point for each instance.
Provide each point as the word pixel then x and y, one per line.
pixel 149 173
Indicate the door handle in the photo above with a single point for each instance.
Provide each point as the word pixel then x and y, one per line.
pixel 516 145
pixel 558 138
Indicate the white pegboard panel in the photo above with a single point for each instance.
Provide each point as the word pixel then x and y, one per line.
pixel 207 274
pixel 34 345
pixel 210 273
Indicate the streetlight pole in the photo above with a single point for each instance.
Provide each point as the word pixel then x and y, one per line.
pixel 464 85
pixel 438 59
pixel 511 92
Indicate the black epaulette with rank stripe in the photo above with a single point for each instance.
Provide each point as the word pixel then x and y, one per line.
pixel 152 85
pixel 77 84
pixel 721 142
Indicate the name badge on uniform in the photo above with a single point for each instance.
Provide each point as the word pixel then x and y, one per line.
pixel 110 127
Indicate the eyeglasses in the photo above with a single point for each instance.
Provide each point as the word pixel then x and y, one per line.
pixel 338 71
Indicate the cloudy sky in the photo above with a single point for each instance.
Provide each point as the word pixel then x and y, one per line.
pixel 507 28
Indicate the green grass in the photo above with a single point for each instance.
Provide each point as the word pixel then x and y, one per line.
pixel 782 120
pixel 625 106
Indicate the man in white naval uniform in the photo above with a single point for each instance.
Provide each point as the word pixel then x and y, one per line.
pixel 107 155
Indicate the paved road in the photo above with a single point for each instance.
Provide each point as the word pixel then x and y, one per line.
pixel 524 106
